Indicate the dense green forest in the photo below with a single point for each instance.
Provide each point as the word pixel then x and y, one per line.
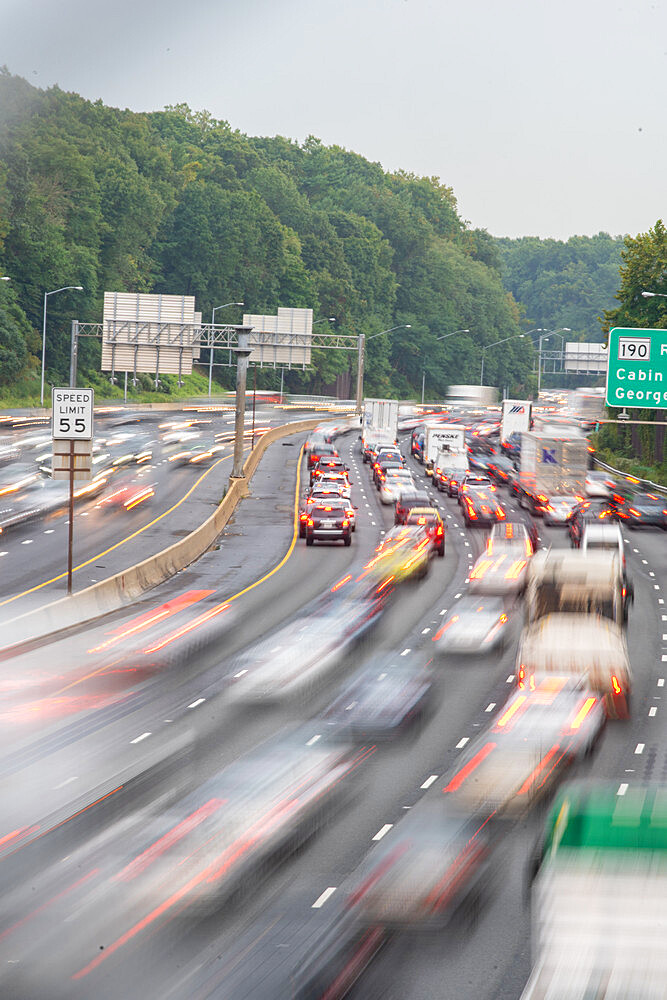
pixel 178 202
pixel 563 283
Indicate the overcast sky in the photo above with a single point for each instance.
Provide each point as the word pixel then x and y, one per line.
pixel 547 117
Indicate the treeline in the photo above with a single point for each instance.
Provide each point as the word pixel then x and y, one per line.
pixel 563 283
pixel 178 202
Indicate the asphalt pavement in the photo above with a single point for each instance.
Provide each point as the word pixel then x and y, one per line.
pixel 122 711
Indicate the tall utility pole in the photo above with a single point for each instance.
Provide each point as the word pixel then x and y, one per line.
pixel 243 352
pixel 361 358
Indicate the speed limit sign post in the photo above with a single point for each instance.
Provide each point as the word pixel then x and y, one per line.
pixel 72 416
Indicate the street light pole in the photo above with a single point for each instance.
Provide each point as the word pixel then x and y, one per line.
pixel 65 288
pixel 210 358
pixel 517 336
pixel 545 336
pixel 651 295
pixel 361 345
pixel 423 383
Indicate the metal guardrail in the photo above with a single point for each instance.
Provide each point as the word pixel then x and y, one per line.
pixel 654 487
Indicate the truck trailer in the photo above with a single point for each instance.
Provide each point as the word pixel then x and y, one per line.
pixel 551 466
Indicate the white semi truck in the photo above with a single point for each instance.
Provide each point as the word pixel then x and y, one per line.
pixel 449 438
pixel 551 466
pixel 517 417
pixel 380 420
pixel 599 895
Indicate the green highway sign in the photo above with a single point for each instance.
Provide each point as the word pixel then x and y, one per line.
pixel 637 368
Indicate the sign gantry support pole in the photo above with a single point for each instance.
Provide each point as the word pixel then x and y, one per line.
pixel 361 350
pixel 70 533
pixel 243 352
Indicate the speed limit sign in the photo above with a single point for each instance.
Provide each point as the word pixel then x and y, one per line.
pixel 72 414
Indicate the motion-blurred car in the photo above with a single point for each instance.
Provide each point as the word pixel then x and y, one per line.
pixel 403 554
pixel 474 625
pixel 410 497
pixel 501 470
pixel 480 507
pixel 329 523
pixel 424 868
pixel 293 661
pixel 512 536
pixel 502 573
pixel 647 510
pixel 323 496
pixel 203 846
pixel 559 509
pixel 336 481
pixel 429 519
pixel 327 466
pixel 379 702
pixel 394 483
pixel 538 732
pixel 320 449
pixel 292 950
pixel 474 481
pixel 126 494
pixel 382 468
pixel 599 484
pixel 590 511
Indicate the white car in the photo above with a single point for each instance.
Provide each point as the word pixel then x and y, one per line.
pixel 396 480
pixel 559 509
pixel 599 484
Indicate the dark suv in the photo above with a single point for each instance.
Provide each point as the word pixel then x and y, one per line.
pixel 407 500
pixel 587 512
pixel 328 522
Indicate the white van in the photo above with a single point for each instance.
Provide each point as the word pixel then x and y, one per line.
pixel 606 537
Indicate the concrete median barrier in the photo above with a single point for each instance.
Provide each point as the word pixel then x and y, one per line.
pixel 124 587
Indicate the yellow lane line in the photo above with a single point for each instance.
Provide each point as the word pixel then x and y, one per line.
pixel 105 666
pixel 117 545
pixel 295 534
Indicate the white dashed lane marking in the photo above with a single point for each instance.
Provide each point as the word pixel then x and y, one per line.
pixel 321 900
pixel 429 781
pixel 461 743
pixel 382 831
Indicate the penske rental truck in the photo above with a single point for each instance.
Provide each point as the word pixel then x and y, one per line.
pixel 599 895
pixel 448 438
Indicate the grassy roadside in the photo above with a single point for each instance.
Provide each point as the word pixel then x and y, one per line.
pixel 25 392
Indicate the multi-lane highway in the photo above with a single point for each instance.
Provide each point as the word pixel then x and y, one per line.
pixel 110 733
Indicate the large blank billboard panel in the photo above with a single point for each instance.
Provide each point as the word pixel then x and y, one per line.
pixel 149 333
pixel 585 357
pixel 140 308
pixel 121 358
pixel 283 339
